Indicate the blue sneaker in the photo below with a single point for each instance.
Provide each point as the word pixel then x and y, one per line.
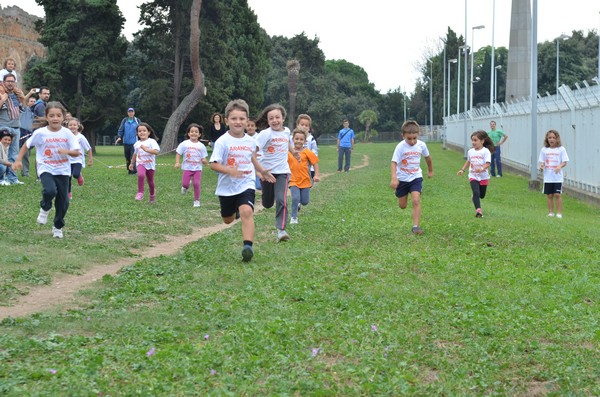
pixel 247 253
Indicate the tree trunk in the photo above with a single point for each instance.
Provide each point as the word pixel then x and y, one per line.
pixel 367 129
pixel 293 69
pixel 176 15
pixel 169 141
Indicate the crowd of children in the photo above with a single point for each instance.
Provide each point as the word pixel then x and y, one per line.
pixel 272 160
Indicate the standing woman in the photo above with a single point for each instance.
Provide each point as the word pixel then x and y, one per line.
pixel 217 128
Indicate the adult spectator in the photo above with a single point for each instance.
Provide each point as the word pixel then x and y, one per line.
pixel 11 106
pixel 345 145
pixel 39 109
pixel 217 128
pixel 498 137
pixel 128 135
pixel 27 129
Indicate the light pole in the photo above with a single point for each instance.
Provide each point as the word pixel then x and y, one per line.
pixel 496 69
pixel 461 48
pixel 473 29
pixel 493 57
pixel 404 100
pixel 451 61
pixel 431 97
pixel 558 39
pixel 444 91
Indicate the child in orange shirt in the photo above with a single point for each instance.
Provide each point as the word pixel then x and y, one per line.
pixel 300 182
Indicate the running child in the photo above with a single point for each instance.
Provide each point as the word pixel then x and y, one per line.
pixel 553 158
pixel 300 182
pixel 251 131
pixel 274 142
pixel 234 158
pixel 53 146
pixel 479 158
pixel 305 122
pixel 77 163
pixel 144 157
pixel 194 156
pixel 6 138
pixel 407 176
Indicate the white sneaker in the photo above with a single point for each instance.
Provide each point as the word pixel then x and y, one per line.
pixel 183 190
pixel 42 218
pixel 559 216
pixel 293 221
pixel 57 233
pixel 196 203
pixel 18 183
pixel 551 214
pixel 4 183
pixel 282 235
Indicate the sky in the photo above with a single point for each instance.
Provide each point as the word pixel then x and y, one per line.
pixel 390 39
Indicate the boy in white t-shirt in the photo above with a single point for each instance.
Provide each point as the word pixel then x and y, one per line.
pixel 234 158
pixel 407 176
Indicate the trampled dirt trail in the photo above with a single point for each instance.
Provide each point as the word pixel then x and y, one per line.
pixel 61 293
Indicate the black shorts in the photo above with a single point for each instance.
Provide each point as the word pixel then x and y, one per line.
pixel 416 185
pixel 230 204
pixel 552 188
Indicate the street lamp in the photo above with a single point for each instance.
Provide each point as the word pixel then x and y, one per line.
pixel 496 69
pixel 493 56
pixel 451 61
pixel 473 29
pixel 558 39
pixel 404 97
pixel 431 98
pixel 464 48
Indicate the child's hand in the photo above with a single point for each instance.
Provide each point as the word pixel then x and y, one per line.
pixel 17 165
pixel 90 163
pixel 235 173
pixel 317 178
pixel 62 151
pixel 557 169
pixel 131 167
pixel 177 165
pixel 144 147
pixel 460 172
pixel 267 176
pixel 394 183
pixel 429 174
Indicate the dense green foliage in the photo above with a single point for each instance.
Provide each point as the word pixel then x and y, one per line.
pixel 353 304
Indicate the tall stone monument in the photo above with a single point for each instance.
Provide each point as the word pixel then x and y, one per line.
pixel 518 74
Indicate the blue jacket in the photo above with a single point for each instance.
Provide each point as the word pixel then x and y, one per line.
pixel 127 130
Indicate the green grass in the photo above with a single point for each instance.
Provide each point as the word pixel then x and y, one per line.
pixel 353 304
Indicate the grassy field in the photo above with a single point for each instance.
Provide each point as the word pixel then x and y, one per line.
pixel 353 304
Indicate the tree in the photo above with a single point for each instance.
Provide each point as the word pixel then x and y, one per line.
pixel 293 69
pixel 84 66
pixel 197 93
pixel 367 118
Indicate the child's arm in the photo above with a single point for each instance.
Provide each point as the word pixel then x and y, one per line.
pixel 462 169
pixel 178 157
pixel 429 167
pixel 147 149
pixel 394 182
pixel 132 160
pixel 72 153
pixel 560 167
pixel 265 175
pixel 17 165
pixel 223 169
pixel 317 177
pixel 204 161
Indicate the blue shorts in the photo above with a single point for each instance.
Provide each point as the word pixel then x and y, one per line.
pixel 416 185
pixel 230 204
pixel 552 188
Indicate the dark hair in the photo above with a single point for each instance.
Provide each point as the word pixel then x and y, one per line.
pixel 487 141
pixel 299 131
pixel 212 117
pixel 261 121
pixel 79 125
pixel 9 59
pixel 187 131
pixel 4 132
pixel 547 144
pixel 42 88
pixel 411 125
pixel 150 130
pixel 9 75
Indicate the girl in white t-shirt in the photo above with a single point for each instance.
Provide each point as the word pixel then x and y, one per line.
pixel 479 159
pixel 77 163
pixel 144 157
pixel 54 144
pixel 553 158
pixel 274 142
pixel 194 157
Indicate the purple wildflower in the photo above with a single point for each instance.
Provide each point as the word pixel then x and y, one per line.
pixel 206 336
pixel 151 352
pixel 52 371
pixel 315 351
pixel 213 372
pixel 374 328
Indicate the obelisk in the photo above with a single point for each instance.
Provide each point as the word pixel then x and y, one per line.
pixel 518 75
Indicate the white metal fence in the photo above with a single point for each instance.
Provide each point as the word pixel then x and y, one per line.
pixel 575 114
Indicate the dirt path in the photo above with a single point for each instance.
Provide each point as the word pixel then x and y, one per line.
pixel 61 293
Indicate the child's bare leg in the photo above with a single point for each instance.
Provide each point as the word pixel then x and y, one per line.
pixel 550 203
pixel 415 198
pixel 403 202
pixel 247 217
pixel 558 199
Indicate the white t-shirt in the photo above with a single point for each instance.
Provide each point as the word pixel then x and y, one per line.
pixel 408 160
pixel 85 146
pixel 47 143
pixel 234 152
pixel 477 159
pixel 192 153
pixel 148 160
pixel 275 146
pixel 552 157
pixel 4 72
